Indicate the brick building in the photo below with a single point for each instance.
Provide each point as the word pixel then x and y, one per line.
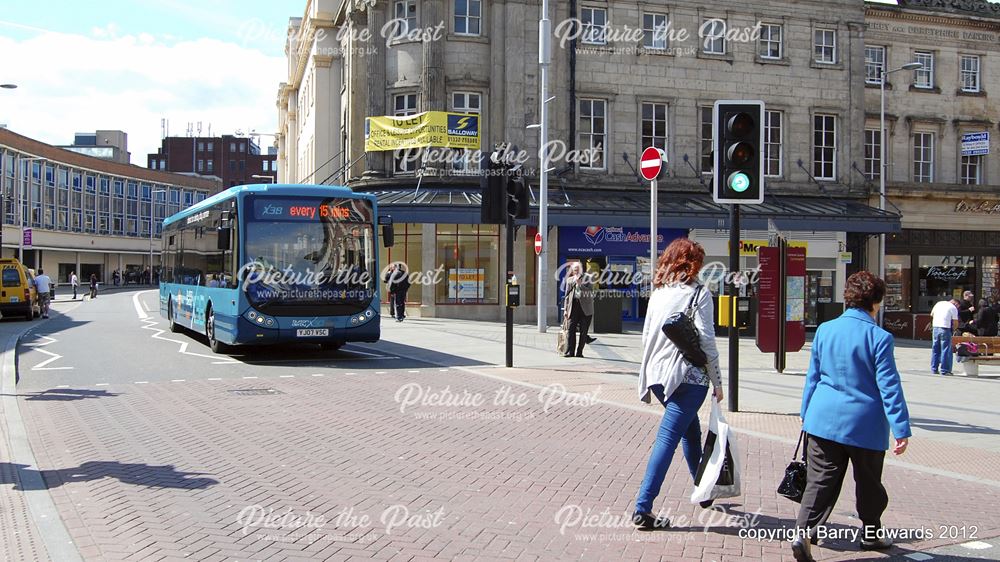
pixel 235 160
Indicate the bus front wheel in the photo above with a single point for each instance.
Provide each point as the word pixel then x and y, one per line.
pixel 170 317
pixel 214 344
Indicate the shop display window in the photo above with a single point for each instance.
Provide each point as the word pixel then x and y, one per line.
pixel 944 277
pixel 897 284
pixel 407 247
pixel 469 256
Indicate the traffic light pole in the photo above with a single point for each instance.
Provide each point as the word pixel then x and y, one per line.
pixel 734 331
pixel 508 309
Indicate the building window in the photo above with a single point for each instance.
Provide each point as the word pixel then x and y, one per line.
pixel 210 165
pixel 772 143
pixel 897 283
pixel 593 132
pixel 654 31
pixel 972 170
pixel 406 17
pixel 201 165
pixel 407 247
pixel 243 146
pixel 232 147
pixel 713 36
pixel 232 165
pixel 201 147
pixel 943 275
pixel 770 41
pixel 467 16
pixel 969 70
pixel 654 125
pixel 874 64
pixel 825 45
pixel 243 165
pixel 595 26
pixel 405 161
pixel 706 129
pixel 469 254
pixel 873 153
pixel 465 102
pixel 924 77
pixel 923 157
pixel 211 146
pixel 824 147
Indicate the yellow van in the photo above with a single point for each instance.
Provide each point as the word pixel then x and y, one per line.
pixel 17 290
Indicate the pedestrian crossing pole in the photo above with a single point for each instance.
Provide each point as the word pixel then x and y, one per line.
pixel 733 290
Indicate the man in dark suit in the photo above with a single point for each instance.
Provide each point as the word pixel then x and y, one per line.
pixel 579 304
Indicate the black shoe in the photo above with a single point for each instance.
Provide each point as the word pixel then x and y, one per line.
pixel 647 522
pixel 567 355
pixel 882 543
pixel 591 339
pixel 706 504
pixel 579 354
pixel 801 550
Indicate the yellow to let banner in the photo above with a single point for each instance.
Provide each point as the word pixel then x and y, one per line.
pixel 430 128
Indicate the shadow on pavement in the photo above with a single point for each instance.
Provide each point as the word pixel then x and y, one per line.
pixel 150 476
pixel 66 394
pixel 955 427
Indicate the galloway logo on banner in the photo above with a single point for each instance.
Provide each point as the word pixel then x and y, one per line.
pixel 430 128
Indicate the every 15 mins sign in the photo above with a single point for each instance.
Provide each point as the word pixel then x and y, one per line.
pixel 976 144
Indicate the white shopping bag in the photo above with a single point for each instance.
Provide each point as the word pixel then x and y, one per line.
pixel 718 474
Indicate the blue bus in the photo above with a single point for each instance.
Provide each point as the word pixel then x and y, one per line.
pixel 274 263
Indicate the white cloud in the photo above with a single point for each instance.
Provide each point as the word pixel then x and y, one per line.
pixel 73 83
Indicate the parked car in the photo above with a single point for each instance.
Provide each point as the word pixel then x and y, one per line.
pixel 17 290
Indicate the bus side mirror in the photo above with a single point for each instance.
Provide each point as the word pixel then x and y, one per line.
pixel 387 235
pixel 224 236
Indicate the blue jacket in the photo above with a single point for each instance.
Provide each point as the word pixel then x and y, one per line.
pixel 853 394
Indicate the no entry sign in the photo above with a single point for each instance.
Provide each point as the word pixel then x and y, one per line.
pixel 538 244
pixel 651 163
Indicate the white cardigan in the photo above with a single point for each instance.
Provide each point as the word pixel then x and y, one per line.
pixel 662 362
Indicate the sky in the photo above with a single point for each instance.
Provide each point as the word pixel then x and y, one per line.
pixel 125 64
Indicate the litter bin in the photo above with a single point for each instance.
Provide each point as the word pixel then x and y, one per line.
pixel 607 314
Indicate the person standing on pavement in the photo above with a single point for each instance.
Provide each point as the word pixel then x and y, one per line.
pixel 399 284
pixel 966 313
pixel 944 319
pixel 43 287
pixel 986 319
pixel 852 397
pixel 93 286
pixel 579 307
pixel 387 281
pixel 664 373
pixel 75 282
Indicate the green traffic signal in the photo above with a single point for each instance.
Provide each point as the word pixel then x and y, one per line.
pixel 739 182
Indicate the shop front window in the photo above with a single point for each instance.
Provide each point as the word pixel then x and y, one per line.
pixel 468 255
pixel 991 279
pixel 407 247
pixel 944 277
pixel 529 291
pixel 897 284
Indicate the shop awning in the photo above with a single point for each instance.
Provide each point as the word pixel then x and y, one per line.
pixel 631 209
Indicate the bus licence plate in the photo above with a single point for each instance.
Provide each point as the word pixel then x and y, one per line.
pixel 312 332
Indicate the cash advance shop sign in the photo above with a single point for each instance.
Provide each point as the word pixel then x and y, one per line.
pixel 430 128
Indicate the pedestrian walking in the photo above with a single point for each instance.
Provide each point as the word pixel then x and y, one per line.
pixel 578 306
pixel 387 280
pixel 944 319
pixel 93 286
pixel 75 282
pixel 43 287
pixel 852 397
pixel 986 319
pixel 399 284
pixel 664 373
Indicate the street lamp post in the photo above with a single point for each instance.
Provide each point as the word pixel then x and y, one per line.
pixel 152 206
pixel 883 165
pixel 17 202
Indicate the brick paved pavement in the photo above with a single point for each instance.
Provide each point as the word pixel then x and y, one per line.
pixel 163 471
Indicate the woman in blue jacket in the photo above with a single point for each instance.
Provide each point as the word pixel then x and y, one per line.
pixel 852 398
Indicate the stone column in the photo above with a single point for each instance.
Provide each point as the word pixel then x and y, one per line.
pixel 433 96
pixel 375 72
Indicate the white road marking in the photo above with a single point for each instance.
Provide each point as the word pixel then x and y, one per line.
pixel 442 370
pixel 101 384
pixel 919 556
pixel 379 372
pixel 249 377
pixel 151 325
pixel 977 545
pixel 286 376
pixel 63 386
pixel 176 380
pixel 412 371
pixel 138 307
pixel 146 306
pixel 215 379
pixel 349 374
pixel 141 382
pixel 52 356
pixel 319 375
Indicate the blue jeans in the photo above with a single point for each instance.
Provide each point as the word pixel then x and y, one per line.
pixel 941 350
pixel 679 424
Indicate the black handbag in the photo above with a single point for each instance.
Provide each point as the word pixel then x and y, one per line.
pixel 680 329
pixel 793 485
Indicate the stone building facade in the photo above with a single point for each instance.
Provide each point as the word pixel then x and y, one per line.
pixel 624 75
pixel 948 199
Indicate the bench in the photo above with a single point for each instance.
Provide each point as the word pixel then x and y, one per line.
pixel 989 352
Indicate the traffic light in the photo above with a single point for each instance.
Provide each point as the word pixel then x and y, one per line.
pixel 518 206
pixel 738 152
pixel 491 184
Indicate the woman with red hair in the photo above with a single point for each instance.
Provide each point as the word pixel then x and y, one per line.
pixel 677 384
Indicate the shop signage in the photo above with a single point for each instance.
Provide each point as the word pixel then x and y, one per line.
pixel 767 310
pixel 846 257
pixel 612 240
pixel 947 273
pixel 935 33
pixel 985 207
pixel 750 247
pixel 975 144
pixel 899 324
pixel 430 128
pixel 27 238
pixel 466 283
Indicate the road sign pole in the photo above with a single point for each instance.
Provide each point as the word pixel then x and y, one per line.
pixel 652 234
pixel 734 331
